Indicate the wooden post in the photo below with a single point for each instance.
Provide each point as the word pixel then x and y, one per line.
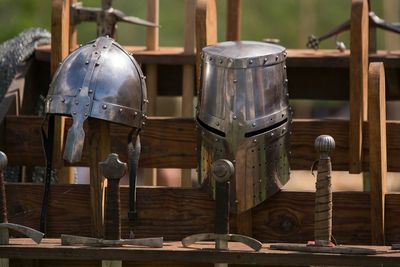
pixel 377 150
pixel 358 81
pixel 152 43
pixel 73 31
pixel 233 20
pixel 206 30
pixel 60 30
pixel 188 75
pixel 99 146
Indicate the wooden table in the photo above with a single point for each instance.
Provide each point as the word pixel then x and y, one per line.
pixel 200 253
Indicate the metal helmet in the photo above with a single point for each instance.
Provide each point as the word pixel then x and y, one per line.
pixel 244 116
pixel 98 80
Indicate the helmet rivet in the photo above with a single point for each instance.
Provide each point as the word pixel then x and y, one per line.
pixel 250 61
pixel 286 80
pixel 50 99
pixel 86 114
pixel 235 117
pixel 260 181
pixel 284 54
pixel 234 81
pixel 135 113
pixel 62 100
pixel 90 91
pixel 87 62
pixel 146 101
pixel 76 102
pixel 94 45
pixel 105 47
pixel 276 58
pixel 104 106
pixel 255 141
pixel 217 124
pixel 210 58
pixel 265 60
pixel 143 123
pixel 96 64
pixel 253 124
pixel 74 113
pixel 120 110
pixel 87 104
pixel 96 52
pixel 284 67
pixel 221 61
pixel 237 201
pixel 80 89
pixel 216 139
pixel 272 134
pixel 143 77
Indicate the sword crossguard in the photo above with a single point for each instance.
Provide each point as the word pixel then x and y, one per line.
pixel 248 241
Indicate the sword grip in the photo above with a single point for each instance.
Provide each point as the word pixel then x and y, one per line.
pixel 113 211
pixel 113 170
pixel 3 203
pixel 324 144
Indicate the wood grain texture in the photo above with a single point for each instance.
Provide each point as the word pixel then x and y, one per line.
pixel 178 212
pixel 99 141
pixel 203 253
pixel 233 20
pixel 171 143
pixel 377 150
pixel 358 81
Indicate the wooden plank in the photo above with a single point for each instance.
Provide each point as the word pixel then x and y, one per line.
pixel 188 77
pixel 233 20
pixel 178 212
pixel 152 43
pixel 99 148
pixel 358 81
pixel 377 150
pixel 174 146
pixel 206 30
pixel 173 251
pixel 60 32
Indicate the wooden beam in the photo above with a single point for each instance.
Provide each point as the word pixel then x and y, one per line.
pixel 358 81
pixel 188 78
pixel 233 20
pixel 152 44
pixel 174 146
pixel 377 150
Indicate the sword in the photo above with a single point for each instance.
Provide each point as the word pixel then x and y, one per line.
pixel 222 171
pixel 324 144
pixel 5 226
pixel 113 170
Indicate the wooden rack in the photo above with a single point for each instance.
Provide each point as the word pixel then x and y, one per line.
pixel 359 217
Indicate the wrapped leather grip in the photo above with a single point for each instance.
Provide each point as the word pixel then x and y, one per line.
pixel 324 144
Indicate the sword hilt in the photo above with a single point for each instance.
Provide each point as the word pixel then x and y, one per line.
pixel 324 144
pixel 3 204
pixel 113 170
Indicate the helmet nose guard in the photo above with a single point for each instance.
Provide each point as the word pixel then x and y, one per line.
pixel 99 80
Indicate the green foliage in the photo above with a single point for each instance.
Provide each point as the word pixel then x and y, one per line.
pixel 261 19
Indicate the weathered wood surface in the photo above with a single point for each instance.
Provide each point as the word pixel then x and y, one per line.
pixel 358 69
pixel 377 150
pixel 233 20
pixel 171 143
pixel 173 251
pixel 178 212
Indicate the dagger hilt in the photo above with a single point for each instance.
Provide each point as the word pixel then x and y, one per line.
pixel 113 170
pixel 3 204
pixel 324 144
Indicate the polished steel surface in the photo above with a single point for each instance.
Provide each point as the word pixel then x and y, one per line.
pixel 244 116
pixel 99 80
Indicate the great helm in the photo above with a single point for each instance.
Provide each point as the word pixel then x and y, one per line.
pixel 98 80
pixel 244 116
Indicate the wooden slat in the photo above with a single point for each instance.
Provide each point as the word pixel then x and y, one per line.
pixel 177 212
pixel 202 253
pixel 377 150
pixel 233 20
pixel 358 81
pixel 171 142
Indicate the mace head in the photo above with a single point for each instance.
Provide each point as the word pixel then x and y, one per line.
pixel 324 144
pixel 3 160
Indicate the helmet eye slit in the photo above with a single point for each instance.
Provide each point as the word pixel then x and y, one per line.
pixel 266 129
